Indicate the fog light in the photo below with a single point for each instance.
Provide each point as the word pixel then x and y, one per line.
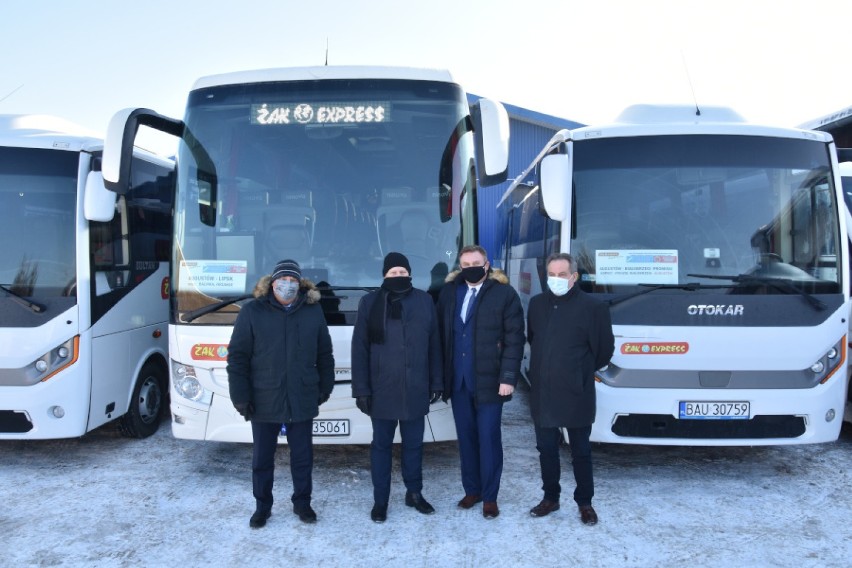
pixel 41 365
pixel 57 411
pixel 829 416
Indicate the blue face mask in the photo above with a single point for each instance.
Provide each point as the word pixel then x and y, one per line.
pixel 559 286
pixel 286 290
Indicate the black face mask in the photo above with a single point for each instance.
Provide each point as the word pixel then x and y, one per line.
pixel 473 274
pixel 397 284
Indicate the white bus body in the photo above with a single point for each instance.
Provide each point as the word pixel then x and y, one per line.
pixel 721 248
pixel 84 276
pixel 333 167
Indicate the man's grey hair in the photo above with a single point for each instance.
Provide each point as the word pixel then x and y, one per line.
pixel 561 256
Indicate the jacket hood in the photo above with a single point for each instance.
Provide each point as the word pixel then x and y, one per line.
pixel 494 274
pixel 312 295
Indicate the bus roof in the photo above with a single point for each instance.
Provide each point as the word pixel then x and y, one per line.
pixel 830 121
pixel 44 131
pixel 324 72
pixel 657 120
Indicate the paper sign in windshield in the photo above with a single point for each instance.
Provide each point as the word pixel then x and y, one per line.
pixel 213 276
pixel 636 266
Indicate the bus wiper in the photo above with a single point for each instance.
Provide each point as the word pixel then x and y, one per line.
pixel 195 314
pixel 783 284
pixel 689 286
pixel 34 306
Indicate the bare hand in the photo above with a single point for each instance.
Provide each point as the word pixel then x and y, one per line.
pixel 505 390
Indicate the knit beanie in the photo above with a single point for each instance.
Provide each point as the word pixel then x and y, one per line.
pixel 395 259
pixel 287 268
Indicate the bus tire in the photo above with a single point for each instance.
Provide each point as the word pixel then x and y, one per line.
pixel 147 403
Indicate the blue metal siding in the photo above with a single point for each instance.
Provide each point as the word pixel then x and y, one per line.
pixel 529 131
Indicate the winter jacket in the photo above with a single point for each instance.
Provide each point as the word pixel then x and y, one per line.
pixel 281 360
pixel 498 334
pixel 401 373
pixel 570 338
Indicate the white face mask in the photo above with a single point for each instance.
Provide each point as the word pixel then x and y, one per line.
pixel 286 290
pixel 559 286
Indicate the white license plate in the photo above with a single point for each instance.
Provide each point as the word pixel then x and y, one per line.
pixel 337 427
pixel 714 410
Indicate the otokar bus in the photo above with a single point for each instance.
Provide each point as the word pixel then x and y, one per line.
pixel 720 247
pixel 83 285
pixel 333 167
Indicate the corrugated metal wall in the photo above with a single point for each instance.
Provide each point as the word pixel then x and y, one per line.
pixel 529 131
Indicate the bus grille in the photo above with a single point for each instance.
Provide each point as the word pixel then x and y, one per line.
pixel 667 426
pixel 12 422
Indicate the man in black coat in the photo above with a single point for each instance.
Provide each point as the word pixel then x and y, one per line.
pixel 396 375
pixel 280 370
pixel 482 335
pixel 570 335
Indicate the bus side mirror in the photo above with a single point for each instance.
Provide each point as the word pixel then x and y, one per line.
pixel 491 132
pixel 98 201
pixel 556 182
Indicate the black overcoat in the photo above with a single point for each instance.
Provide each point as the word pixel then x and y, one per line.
pixel 401 373
pixel 570 338
pixel 281 360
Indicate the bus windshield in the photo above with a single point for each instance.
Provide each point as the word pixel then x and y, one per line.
pixel 673 210
pixel 334 174
pixel 38 190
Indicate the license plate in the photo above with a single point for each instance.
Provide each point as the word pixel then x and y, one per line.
pixel 337 427
pixel 714 410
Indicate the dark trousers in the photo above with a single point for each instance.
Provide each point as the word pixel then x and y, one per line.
pixel 547 442
pixel 300 440
pixel 480 444
pixel 381 454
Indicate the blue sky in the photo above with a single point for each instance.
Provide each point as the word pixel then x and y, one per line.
pixel 776 62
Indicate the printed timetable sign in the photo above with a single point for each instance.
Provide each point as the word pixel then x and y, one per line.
pixel 636 266
pixel 213 276
pixel 321 113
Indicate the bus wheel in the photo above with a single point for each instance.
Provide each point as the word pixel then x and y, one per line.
pixel 146 405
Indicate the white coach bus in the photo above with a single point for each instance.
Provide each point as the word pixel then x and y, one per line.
pixel 333 167
pixel 721 249
pixel 83 285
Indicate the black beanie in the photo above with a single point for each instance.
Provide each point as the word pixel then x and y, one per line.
pixel 287 268
pixel 395 259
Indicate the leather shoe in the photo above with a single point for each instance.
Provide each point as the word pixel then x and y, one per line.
pixel 469 501
pixel 417 501
pixel 544 508
pixel 588 515
pixel 258 519
pixel 305 513
pixel 490 509
pixel 379 514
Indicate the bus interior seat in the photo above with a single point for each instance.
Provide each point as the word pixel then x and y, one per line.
pixel 289 226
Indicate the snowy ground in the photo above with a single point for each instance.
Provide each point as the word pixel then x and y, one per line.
pixel 103 500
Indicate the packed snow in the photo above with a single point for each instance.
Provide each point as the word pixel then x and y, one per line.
pixel 104 500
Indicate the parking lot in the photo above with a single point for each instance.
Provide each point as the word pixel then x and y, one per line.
pixel 103 500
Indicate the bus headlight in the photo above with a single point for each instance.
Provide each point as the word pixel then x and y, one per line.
pixel 187 385
pixel 56 359
pixel 834 358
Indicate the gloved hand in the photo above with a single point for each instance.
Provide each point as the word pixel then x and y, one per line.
pixel 364 404
pixel 246 409
pixel 436 396
pixel 324 396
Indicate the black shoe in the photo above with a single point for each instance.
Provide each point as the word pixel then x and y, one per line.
pixel 417 501
pixel 305 513
pixel 258 519
pixel 379 514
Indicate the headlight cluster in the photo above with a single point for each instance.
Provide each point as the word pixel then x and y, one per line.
pixel 826 365
pixel 57 359
pixel 187 385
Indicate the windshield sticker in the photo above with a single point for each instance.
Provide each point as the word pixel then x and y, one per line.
pixel 661 348
pixel 636 266
pixel 320 113
pixel 209 352
pixel 213 276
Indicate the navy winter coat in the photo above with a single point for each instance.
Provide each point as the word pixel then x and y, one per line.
pixel 498 334
pixel 281 360
pixel 401 373
pixel 570 338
